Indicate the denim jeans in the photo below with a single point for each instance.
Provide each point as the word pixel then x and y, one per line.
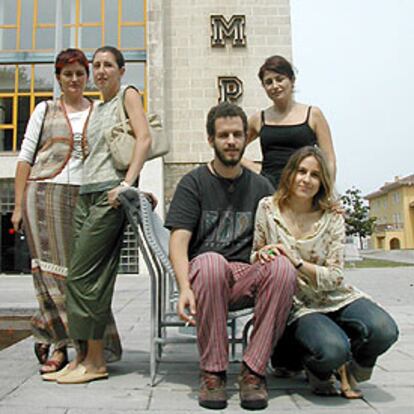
pixel 360 331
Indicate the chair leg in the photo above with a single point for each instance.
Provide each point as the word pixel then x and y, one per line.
pixel 154 329
pixel 153 363
pixel 159 352
pixel 233 327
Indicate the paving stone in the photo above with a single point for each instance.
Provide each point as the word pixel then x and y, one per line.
pixel 390 397
pixel 128 391
pixel 78 396
pixel 305 399
pixel 29 408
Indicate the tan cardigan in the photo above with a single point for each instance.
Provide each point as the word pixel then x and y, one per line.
pixel 324 248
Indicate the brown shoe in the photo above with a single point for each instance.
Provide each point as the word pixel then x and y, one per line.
pixel 253 390
pixel 212 393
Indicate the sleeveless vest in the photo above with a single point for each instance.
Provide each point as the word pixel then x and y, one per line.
pixel 99 173
pixel 56 143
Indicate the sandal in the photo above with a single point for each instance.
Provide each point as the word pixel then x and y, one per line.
pixel 323 388
pixel 349 386
pixel 53 365
pixel 41 351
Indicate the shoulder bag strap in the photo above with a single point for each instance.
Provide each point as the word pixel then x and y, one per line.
pixel 40 135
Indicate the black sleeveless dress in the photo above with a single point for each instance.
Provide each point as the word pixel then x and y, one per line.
pixel 279 142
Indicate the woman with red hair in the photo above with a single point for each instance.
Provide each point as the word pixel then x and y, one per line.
pixel 48 176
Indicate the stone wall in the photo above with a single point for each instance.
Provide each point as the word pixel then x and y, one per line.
pixel 192 68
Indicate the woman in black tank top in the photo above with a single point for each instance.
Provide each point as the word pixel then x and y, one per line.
pixel 287 125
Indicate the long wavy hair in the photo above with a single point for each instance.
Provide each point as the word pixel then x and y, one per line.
pixel 323 200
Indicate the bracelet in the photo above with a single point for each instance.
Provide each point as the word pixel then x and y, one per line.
pixel 124 184
pixel 299 264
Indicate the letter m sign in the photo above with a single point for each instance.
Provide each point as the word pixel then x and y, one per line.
pixel 222 29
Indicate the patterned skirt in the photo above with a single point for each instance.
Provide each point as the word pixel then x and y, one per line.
pixel 47 220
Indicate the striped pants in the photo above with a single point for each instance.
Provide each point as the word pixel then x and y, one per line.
pixel 220 286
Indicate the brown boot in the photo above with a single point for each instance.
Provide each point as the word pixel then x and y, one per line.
pixel 212 393
pixel 253 390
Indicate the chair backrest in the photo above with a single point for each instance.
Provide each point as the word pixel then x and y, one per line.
pixel 141 217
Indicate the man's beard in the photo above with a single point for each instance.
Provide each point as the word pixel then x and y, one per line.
pixel 228 162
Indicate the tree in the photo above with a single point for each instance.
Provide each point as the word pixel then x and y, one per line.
pixel 357 220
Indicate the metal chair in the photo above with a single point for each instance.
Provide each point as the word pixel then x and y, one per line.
pixel 153 240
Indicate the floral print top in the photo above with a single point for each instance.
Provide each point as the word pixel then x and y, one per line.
pixel 323 247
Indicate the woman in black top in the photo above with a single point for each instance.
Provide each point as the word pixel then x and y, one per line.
pixel 286 125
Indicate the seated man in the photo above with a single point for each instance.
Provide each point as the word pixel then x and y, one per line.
pixel 212 218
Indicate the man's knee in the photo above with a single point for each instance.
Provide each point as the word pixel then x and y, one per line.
pixel 211 267
pixel 281 270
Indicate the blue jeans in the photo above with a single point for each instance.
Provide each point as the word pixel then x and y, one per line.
pixel 360 331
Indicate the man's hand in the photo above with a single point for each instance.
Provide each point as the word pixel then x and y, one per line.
pixel 187 301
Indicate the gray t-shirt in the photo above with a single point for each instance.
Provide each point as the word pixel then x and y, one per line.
pixel 219 212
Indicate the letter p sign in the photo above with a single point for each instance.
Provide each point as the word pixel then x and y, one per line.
pixel 230 88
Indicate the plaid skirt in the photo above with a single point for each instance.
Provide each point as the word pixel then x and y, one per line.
pixel 47 220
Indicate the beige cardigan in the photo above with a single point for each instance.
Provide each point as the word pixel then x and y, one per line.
pixel 324 248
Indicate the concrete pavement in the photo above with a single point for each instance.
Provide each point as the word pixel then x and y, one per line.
pixel 390 391
pixel 400 256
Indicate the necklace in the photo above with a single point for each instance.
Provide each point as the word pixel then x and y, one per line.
pixel 230 181
pixel 300 225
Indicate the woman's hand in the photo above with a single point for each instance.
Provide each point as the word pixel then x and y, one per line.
pixel 271 251
pixel 113 196
pixel 17 218
pixel 151 198
pixel 338 208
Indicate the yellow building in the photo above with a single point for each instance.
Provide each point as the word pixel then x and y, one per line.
pixel 393 206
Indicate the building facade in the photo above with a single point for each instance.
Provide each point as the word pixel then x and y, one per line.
pixel 393 206
pixel 184 55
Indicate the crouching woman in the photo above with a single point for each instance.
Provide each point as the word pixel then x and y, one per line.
pixel 333 327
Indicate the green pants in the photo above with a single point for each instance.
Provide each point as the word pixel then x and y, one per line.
pixel 93 265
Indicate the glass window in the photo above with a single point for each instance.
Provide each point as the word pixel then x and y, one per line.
pixel 44 77
pixel 133 37
pixel 7 78
pixel 8 12
pixel 23 86
pixel 24 114
pixel 69 11
pixel 46 11
pixel 45 38
pixel 39 99
pixel 25 76
pixel 90 37
pixel 111 22
pixel 132 10
pixel 26 25
pixel 6 110
pixel 134 75
pixel 69 36
pixel 8 39
pixel 6 139
pixel 90 11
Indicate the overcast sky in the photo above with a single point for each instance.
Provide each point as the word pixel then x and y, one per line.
pixel 355 60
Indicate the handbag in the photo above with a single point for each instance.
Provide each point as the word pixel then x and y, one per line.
pixel 121 139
